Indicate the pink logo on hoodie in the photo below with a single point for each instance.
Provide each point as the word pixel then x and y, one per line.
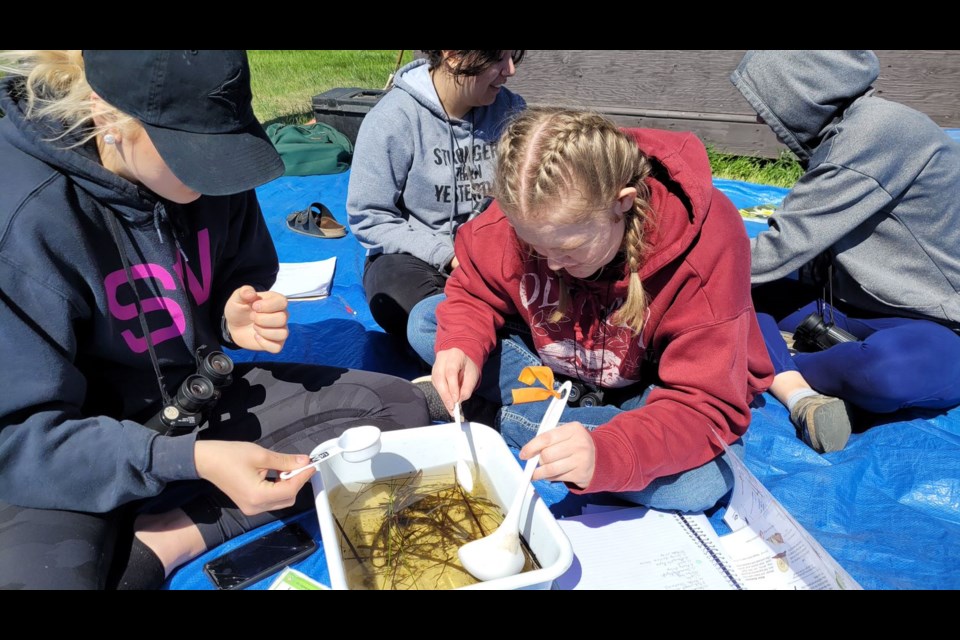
pixel 199 289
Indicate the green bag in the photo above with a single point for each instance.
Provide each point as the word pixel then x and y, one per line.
pixel 311 149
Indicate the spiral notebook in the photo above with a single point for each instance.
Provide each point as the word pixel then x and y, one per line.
pixel 640 548
pixel 654 550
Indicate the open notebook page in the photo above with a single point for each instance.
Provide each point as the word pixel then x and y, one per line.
pixel 639 548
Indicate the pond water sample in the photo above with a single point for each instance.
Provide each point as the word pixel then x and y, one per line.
pixel 404 532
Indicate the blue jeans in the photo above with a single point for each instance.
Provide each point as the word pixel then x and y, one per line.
pixel 693 490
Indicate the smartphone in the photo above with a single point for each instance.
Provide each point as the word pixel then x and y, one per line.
pixel 261 557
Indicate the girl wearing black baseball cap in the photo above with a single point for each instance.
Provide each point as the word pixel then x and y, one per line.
pixel 132 247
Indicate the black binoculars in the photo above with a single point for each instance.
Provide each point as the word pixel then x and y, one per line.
pixel 197 393
pixel 814 334
pixel 582 395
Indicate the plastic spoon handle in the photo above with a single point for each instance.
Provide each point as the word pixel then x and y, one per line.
pixel 464 474
pixel 317 459
pixel 550 419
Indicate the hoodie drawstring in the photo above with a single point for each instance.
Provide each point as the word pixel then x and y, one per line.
pixel 159 211
pixel 115 231
pixel 453 174
pixel 454 147
pixel 160 214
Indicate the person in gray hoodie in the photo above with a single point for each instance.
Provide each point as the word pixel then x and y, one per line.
pixel 422 167
pixel 873 226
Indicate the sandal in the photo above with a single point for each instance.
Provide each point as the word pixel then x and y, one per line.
pixel 317 221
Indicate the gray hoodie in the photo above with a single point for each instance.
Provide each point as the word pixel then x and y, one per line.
pixel 416 173
pixel 881 194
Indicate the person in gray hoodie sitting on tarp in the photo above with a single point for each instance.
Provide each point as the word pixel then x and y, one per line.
pixel 873 226
pixel 422 166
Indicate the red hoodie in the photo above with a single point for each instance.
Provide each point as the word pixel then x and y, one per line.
pixel 701 325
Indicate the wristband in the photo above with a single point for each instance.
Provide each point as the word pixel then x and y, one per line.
pixel 225 332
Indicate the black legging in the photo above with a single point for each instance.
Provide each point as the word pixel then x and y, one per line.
pixel 289 408
pixel 395 283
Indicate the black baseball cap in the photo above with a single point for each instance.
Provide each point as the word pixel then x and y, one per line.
pixel 196 108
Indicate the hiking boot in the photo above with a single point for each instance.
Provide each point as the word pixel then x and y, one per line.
pixel 790 340
pixel 823 422
pixel 438 411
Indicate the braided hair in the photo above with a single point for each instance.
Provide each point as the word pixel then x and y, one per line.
pixel 547 155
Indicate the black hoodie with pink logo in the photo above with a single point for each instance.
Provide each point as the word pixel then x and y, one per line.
pixel 76 375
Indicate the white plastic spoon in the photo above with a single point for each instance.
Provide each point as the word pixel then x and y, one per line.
pixel 355 445
pixel 498 555
pixel 464 473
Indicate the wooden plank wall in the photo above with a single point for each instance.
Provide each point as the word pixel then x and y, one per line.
pixel 691 90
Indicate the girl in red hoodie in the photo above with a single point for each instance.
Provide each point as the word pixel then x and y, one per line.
pixel 631 275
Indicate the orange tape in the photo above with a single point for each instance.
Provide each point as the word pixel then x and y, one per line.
pixel 530 375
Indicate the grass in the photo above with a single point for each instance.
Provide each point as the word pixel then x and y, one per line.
pixel 285 81
pixel 780 172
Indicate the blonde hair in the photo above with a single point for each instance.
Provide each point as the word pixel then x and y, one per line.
pixel 55 87
pixel 546 155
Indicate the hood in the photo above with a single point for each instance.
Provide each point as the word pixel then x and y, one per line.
pixel 40 139
pixel 799 94
pixel 681 193
pixel 414 78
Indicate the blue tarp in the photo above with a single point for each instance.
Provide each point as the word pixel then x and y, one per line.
pixel 887 507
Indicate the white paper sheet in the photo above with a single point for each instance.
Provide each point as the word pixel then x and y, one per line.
pixel 770 549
